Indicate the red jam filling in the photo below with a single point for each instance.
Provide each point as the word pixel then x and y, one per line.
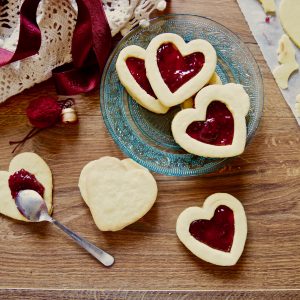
pixel 23 180
pixel 218 129
pixel 137 69
pixel 217 232
pixel 176 69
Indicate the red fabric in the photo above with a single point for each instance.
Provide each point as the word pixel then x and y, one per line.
pixel 91 46
pixel 29 37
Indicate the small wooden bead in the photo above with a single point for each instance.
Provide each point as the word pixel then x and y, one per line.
pixel 69 115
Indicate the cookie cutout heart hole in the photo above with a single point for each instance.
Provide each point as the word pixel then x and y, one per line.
pixel 176 69
pixel 24 180
pixel 137 69
pixel 218 232
pixel 218 129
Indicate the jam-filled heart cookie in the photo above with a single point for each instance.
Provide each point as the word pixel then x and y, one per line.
pixel 118 192
pixel 216 127
pixel 131 70
pixel 177 70
pixel 215 232
pixel 26 171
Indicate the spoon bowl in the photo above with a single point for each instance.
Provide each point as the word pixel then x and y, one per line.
pixel 32 206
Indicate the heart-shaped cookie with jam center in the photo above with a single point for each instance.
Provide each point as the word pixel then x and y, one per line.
pixel 118 192
pixel 216 127
pixel 131 70
pixel 216 232
pixel 177 70
pixel 26 171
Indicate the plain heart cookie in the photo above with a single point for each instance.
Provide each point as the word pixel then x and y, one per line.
pixel 177 70
pixel 215 232
pixel 29 164
pixel 216 127
pixel 131 70
pixel 118 192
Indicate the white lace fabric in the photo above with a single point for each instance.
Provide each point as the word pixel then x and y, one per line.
pixel 56 20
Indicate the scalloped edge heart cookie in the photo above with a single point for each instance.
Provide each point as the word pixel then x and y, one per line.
pixel 34 164
pixel 131 85
pixel 206 212
pixel 237 101
pixel 192 86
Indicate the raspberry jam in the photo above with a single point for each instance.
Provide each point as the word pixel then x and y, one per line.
pixel 217 232
pixel 137 69
pixel 218 129
pixel 176 69
pixel 23 180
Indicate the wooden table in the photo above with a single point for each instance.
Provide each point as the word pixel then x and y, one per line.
pixel 37 261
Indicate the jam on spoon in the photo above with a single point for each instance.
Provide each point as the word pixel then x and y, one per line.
pixel 176 69
pixel 23 180
pixel 137 69
pixel 218 232
pixel 218 129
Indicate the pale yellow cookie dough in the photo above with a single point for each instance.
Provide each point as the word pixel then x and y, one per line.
pixel 297 106
pixel 34 164
pixel 206 212
pixel 131 85
pixel 118 192
pixel 189 103
pixel 287 59
pixel 268 6
pixel 215 79
pixel 191 87
pixel 289 13
pixel 237 101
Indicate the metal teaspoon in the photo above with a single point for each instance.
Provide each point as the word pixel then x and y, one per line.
pixel 33 207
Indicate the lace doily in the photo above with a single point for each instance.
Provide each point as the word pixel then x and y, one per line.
pixel 56 20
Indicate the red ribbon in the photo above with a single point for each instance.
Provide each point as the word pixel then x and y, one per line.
pixel 29 37
pixel 91 46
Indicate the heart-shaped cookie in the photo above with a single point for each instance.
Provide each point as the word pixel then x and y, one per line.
pixel 216 232
pixel 131 70
pixel 216 127
pixel 33 164
pixel 118 192
pixel 177 70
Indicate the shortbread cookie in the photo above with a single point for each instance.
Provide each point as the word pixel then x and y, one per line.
pixel 268 6
pixel 288 63
pixel 26 171
pixel 215 232
pixel 131 70
pixel 177 70
pixel 289 12
pixel 216 127
pixel 118 192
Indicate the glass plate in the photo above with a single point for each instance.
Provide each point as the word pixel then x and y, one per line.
pixel 145 136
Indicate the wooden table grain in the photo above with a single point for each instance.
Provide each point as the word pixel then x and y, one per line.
pixel 39 262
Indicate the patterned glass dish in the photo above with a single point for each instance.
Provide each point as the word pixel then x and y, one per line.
pixel 145 136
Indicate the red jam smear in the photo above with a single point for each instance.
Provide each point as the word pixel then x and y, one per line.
pixel 23 180
pixel 176 69
pixel 218 232
pixel 218 129
pixel 137 69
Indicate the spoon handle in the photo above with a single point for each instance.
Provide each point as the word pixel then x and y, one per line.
pixel 105 258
